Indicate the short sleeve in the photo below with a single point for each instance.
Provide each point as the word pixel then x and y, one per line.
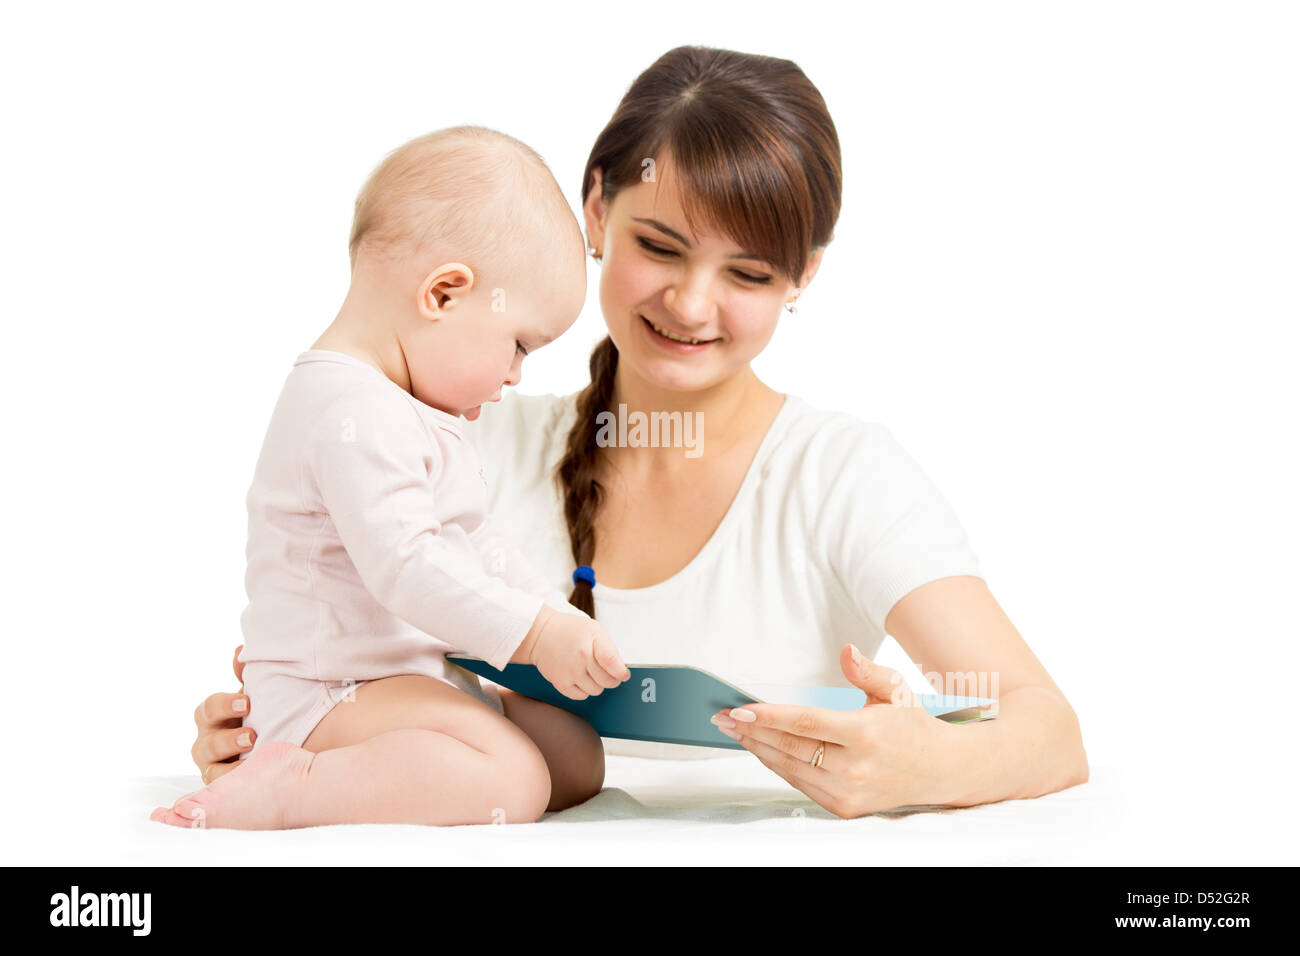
pixel 375 469
pixel 887 528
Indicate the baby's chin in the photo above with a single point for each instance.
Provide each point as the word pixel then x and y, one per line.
pixel 472 413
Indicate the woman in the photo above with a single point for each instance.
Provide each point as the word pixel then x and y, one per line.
pixel 762 537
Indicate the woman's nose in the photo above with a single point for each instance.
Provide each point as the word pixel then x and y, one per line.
pixel 689 302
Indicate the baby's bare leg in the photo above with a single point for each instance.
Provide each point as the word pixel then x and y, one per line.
pixel 409 749
pixel 574 754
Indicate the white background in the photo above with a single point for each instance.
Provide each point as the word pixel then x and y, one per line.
pixel 1065 276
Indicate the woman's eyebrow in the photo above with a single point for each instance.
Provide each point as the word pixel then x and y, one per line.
pixel 674 234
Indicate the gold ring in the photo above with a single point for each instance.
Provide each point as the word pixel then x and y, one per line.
pixel 818 754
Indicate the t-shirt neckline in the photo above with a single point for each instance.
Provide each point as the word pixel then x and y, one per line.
pixel 729 519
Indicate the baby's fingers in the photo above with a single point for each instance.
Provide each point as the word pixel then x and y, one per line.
pixel 610 660
pixel 573 692
pixel 586 683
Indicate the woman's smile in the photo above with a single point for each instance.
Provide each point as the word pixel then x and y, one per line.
pixel 673 341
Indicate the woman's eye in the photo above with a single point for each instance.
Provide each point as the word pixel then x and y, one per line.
pixel 649 246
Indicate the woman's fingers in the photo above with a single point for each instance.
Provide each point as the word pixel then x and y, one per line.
pixel 220 745
pixel 789 724
pixel 238 665
pixel 220 736
pixel 806 779
pixel 221 710
pixel 882 685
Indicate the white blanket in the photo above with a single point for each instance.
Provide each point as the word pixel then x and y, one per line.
pixel 669 812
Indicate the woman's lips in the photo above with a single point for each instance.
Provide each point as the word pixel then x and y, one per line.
pixel 681 348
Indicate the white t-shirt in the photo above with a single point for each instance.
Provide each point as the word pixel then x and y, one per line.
pixel 833 524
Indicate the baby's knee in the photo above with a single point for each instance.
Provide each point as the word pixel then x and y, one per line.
pixel 524 788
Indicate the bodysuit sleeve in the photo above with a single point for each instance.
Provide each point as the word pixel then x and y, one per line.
pixel 503 557
pixel 376 471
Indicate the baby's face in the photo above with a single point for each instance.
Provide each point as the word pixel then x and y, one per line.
pixel 477 347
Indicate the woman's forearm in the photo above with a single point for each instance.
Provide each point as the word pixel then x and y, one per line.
pixel 1031 748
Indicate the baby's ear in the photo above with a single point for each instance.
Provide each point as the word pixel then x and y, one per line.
pixel 443 287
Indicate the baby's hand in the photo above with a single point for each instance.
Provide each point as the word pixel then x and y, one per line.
pixel 574 653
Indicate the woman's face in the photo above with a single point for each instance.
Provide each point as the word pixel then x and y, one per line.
pixel 661 283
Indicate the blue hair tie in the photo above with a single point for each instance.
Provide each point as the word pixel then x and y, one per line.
pixel 583 572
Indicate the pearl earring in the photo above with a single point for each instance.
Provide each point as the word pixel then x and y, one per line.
pixel 790 306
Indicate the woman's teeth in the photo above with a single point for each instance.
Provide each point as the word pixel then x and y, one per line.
pixel 674 336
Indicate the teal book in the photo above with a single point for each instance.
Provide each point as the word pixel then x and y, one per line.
pixel 672 704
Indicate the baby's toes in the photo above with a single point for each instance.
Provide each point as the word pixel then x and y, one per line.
pixel 172 816
pixel 192 812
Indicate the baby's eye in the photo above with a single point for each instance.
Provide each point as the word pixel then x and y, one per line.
pixel 519 347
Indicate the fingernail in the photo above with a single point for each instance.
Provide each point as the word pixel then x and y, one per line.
pixel 245 739
pixel 720 721
pixel 741 713
pixel 856 654
pixel 239 705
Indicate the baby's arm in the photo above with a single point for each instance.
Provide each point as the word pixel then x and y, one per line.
pixel 574 652
pixel 372 467
pixel 503 557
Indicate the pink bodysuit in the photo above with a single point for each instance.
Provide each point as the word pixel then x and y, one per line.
pixel 370 550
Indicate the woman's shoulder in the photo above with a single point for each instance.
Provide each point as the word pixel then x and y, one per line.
pixel 883 523
pixel 846 474
pixel 835 440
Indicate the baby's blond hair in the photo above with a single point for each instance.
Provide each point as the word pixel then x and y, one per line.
pixel 476 192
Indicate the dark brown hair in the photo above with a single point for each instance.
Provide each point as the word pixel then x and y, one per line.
pixel 758 160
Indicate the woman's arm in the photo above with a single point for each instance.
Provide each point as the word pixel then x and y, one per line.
pixel 960 638
pixel 890 753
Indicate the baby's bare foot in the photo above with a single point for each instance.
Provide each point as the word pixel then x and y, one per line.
pixel 259 794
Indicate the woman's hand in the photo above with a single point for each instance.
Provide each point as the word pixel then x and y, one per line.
pixel 888 754
pixel 221 738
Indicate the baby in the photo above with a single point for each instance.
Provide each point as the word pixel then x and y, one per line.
pixel 371 555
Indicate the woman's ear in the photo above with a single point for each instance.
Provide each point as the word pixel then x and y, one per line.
pixel 593 211
pixel 442 288
pixel 814 263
